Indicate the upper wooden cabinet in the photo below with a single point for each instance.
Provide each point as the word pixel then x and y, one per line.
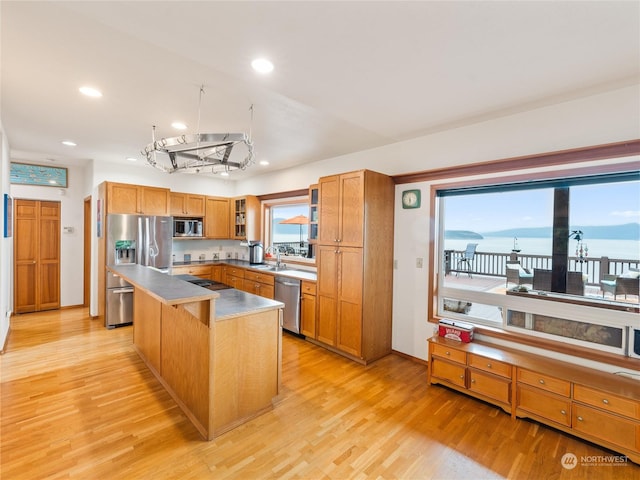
pixel 245 218
pixel 187 204
pixel 341 209
pixel 137 199
pixel 216 219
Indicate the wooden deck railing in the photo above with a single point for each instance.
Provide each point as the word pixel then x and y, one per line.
pixel 494 264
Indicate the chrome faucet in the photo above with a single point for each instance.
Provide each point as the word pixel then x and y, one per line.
pixel 276 250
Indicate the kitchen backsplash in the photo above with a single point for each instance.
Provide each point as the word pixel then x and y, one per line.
pixel 209 250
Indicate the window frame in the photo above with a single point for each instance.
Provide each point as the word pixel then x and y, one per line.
pixel 585 161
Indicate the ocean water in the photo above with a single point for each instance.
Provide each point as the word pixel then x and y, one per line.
pixel 618 249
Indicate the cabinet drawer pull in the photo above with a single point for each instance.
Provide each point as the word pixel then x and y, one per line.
pixel 564 412
pixel 447 353
pixel 541 381
pixel 580 419
pixel 605 401
pixel 473 380
pixel 461 376
pixel 488 365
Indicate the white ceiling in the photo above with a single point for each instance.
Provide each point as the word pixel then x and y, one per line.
pixel 348 75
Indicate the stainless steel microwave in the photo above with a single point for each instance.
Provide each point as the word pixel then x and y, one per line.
pixel 187 227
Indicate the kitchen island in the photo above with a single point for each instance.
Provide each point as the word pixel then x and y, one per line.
pixel 218 353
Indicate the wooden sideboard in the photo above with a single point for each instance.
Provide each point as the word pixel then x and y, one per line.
pixel 597 406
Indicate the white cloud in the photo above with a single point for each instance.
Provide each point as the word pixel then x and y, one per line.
pixel 626 213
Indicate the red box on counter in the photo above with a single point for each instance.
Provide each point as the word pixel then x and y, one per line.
pixel 461 331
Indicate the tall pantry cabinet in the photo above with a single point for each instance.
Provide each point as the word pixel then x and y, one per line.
pixel 355 264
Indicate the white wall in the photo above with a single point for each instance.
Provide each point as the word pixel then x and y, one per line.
pixel 72 245
pixel 599 119
pixel 6 246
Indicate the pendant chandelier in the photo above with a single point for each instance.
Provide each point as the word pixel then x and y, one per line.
pixel 201 152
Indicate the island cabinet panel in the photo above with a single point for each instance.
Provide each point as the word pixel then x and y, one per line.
pixel 246 358
pixel 216 219
pixel 185 357
pixel 354 259
pixel 147 316
pixel 600 407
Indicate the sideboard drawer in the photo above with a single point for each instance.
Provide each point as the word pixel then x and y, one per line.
pixel 488 365
pixel 490 385
pixel 535 400
pixel 545 382
pixel 451 354
pixel 607 401
pixel 610 428
pixel 451 372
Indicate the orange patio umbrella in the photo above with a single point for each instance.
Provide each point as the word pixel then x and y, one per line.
pixel 297 220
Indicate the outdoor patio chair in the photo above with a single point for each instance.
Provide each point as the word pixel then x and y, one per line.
pixel 542 279
pixel 576 282
pixel 626 284
pixel 518 275
pixel 466 259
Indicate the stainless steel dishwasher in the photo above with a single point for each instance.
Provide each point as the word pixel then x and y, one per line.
pixel 287 291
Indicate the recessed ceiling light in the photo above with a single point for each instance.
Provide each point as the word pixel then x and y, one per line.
pixel 131 159
pixel 90 92
pixel 264 162
pixel 179 126
pixel 69 143
pixel 262 65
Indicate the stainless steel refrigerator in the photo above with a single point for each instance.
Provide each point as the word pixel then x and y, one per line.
pixel 131 239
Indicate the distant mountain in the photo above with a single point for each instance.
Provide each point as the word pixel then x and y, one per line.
pixel 628 231
pixel 462 235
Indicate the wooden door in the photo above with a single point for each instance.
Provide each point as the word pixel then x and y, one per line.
pixel 327 293
pixel 25 255
pixel 37 256
pixel 216 222
pixel 349 306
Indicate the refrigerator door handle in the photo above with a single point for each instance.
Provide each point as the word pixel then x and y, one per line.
pixel 122 290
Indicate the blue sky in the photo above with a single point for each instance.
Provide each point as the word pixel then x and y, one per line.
pixel 610 204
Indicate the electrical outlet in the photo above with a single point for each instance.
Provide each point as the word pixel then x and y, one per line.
pixel 419 262
pixel 395 264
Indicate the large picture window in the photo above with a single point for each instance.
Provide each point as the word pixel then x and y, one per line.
pixel 566 251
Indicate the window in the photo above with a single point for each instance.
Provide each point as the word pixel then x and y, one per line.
pixel 287 228
pixel 504 248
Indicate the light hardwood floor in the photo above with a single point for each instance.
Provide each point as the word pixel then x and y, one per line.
pixel 77 402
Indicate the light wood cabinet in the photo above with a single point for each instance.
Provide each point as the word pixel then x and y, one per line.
pixel 36 255
pixel 308 309
pixel 354 259
pixel 216 220
pixel 137 199
pixel 259 283
pixel 234 277
pixel 599 407
pixel 203 271
pixel 187 204
pixel 245 218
